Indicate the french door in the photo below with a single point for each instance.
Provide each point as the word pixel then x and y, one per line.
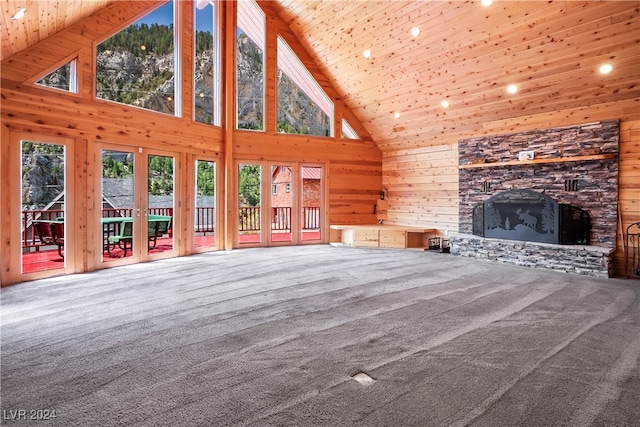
pixel 46 223
pixel 205 218
pixel 137 214
pixel 279 204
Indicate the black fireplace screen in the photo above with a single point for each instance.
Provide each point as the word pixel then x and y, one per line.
pixel 531 216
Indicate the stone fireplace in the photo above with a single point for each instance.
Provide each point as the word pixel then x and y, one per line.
pixel 556 208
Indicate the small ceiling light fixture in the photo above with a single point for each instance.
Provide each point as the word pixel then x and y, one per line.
pixel 605 68
pixel 367 53
pixel 445 103
pixel 512 89
pixel 486 3
pixel 396 115
pixel 415 31
pixel 19 14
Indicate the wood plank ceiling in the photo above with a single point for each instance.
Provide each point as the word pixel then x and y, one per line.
pixel 465 54
pixel 41 20
pixel 468 55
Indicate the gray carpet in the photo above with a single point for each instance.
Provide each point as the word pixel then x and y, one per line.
pixel 272 337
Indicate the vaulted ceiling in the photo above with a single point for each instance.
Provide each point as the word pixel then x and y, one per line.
pixel 465 54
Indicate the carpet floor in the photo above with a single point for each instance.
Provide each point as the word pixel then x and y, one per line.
pixel 275 336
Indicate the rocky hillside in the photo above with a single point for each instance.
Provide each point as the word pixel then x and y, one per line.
pixel 144 78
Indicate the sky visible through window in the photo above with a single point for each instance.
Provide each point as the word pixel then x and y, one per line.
pixel 164 16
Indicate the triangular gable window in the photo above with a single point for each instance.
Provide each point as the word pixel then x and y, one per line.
pixel 138 66
pixel 347 131
pixel 303 107
pixel 64 78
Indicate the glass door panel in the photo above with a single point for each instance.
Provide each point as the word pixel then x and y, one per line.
pixel 43 206
pixel 160 204
pixel 119 207
pixel 205 205
pixel 249 203
pixel 281 203
pixel 311 197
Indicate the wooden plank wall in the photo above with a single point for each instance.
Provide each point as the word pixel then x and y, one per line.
pixel 629 185
pixel 422 186
pixel 353 166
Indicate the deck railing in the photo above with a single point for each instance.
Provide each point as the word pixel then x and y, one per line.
pixel 249 218
pixel 30 238
pixel 204 220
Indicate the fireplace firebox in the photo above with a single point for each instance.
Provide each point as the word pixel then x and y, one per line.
pixel 527 215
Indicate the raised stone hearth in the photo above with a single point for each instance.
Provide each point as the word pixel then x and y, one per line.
pixel 593 261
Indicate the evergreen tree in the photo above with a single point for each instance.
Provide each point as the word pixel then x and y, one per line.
pixel 249 185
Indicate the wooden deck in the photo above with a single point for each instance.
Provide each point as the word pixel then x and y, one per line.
pixel 49 259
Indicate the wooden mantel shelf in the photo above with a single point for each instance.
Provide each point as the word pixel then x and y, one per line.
pixel 539 161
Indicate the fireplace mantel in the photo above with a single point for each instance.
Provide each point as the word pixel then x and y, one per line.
pixel 539 161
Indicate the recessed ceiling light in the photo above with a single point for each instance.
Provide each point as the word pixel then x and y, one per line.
pixel 486 3
pixel 605 68
pixel 367 53
pixel 396 115
pixel 444 103
pixel 19 14
pixel 415 31
pixel 512 89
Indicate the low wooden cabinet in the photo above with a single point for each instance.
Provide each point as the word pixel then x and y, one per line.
pixel 381 236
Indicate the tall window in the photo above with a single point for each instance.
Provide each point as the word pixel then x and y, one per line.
pixel 137 66
pixel 303 107
pixel 250 66
pixel 207 83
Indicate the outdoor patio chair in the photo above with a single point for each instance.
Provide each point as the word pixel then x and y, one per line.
pixel 51 233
